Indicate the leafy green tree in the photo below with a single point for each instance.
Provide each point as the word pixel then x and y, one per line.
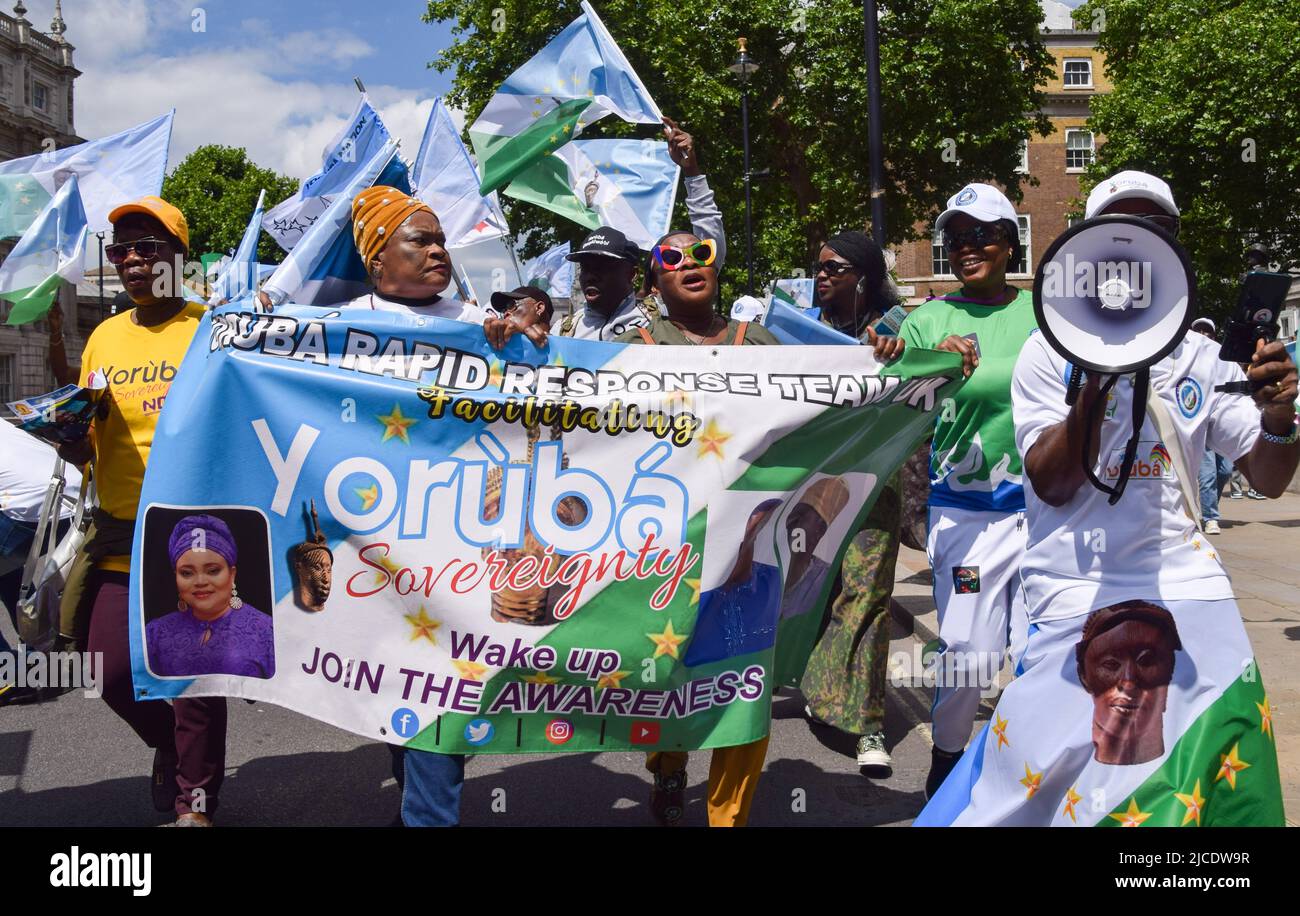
pixel 1207 96
pixel 957 77
pixel 216 187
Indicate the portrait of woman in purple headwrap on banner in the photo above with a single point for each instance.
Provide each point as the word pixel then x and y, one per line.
pixel 212 630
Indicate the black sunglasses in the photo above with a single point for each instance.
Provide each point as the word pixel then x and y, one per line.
pixel 979 236
pixel 146 248
pixel 832 268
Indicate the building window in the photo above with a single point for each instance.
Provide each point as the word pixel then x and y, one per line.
pixel 1079 149
pixel 939 265
pixel 1026 256
pixel 1078 73
pixel 40 96
pixel 1023 167
pixel 8 378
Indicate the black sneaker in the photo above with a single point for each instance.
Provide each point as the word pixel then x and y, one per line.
pixel 163 780
pixel 941 764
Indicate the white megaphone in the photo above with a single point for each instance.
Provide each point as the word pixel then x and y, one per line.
pixel 1114 295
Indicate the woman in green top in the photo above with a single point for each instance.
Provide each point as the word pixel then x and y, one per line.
pixel 977 505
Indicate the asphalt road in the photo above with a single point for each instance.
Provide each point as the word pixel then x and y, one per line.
pixel 71 762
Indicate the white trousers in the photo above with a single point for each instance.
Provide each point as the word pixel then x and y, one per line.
pixel 975 558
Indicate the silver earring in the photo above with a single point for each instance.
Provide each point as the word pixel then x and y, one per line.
pixel 235 601
pixel 181 606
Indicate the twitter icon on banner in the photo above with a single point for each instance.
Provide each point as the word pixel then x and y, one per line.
pixel 479 732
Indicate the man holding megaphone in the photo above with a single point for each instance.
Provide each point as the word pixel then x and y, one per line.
pixel 1132 424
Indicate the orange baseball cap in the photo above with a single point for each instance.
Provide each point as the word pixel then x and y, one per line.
pixel 173 220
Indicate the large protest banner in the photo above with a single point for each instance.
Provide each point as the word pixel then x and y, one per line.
pixel 593 546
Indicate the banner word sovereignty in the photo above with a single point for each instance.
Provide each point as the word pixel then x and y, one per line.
pixel 378 521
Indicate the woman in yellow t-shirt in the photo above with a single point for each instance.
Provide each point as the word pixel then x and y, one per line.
pixel 139 352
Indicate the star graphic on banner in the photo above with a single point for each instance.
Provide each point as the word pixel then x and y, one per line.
pixel 1000 729
pixel 368 495
pixel 423 625
pixel 539 677
pixel 1195 805
pixel 666 643
pixel 1032 781
pixel 611 680
pixel 554 139
pixel 568 129
pixel 396 425
pixel 1212 555
pixel 1265 718
pixel 1072 798
pixel 677 396
pixel 537 114
pixel 712 440
pixel 389 566
pixel 537 100
pixel 591 94
pixel 694 585
pixel 470 671
pixel 1134 816
pixel 546 90
pixel 1229 766
pixel 1196 545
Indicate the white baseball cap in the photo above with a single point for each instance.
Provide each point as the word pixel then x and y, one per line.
pixel 979 201
pixel 1204 323
pixel 1130 184
pixel 747 308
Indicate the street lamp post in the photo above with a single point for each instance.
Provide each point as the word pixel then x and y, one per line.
pixel 743 67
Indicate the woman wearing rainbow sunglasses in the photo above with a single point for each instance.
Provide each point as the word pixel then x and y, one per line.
pixel 682 272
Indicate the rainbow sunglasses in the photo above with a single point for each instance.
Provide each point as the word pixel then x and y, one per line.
pixel 670 257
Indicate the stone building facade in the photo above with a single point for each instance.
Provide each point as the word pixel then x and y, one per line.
pixel 36 114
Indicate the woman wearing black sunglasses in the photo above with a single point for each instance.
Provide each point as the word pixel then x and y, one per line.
pixel 140 351
pixel 977 534
pixel 844 681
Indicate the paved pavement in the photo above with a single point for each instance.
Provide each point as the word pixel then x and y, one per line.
pixel 71 762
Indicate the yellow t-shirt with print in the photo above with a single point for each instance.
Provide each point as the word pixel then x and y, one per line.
pixel 140 364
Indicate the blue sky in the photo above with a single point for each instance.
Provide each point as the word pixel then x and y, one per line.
pixel 274 77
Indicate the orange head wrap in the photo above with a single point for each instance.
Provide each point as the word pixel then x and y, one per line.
pixel 376 214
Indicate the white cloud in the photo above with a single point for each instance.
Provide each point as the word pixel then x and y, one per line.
pixel 253 93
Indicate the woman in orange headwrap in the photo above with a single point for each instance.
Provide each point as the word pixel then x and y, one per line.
pixel 403 247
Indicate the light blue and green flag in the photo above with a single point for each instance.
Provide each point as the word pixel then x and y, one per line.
pixel 578 78
pixel 51 252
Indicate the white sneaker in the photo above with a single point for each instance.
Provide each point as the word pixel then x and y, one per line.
pixel 872 753
pixel 1212 526
pixel 1255 494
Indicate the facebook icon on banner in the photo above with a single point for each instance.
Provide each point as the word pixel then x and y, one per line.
pixel 405 722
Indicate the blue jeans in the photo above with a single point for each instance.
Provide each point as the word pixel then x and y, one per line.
pixel 1215 471
pixel 431 785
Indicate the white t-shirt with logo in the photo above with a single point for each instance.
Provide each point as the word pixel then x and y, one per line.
pixel 1088 554
pixel 443 307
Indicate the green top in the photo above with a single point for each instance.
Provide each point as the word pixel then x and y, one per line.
pixel 973 461
pixel 664 331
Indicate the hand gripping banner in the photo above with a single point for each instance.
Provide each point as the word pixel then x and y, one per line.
pixel 378 521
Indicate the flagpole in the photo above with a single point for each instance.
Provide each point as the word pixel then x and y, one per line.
pixel 100 236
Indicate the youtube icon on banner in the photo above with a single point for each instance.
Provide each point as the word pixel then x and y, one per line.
pixel 645 732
